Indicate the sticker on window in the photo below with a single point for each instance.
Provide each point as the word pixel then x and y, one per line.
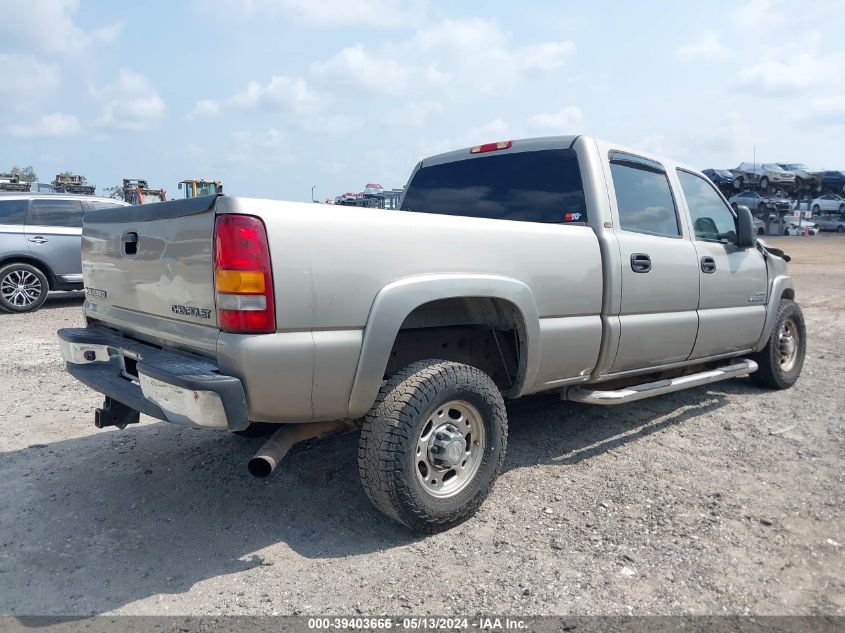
pixel 572 217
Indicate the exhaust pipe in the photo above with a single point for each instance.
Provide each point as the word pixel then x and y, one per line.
pixel 265 461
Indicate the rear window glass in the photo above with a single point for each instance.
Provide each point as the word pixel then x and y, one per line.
pixel 13 211
pixel 541 186
pixel 67 213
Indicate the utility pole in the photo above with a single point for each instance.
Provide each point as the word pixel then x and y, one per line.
pixel 312 193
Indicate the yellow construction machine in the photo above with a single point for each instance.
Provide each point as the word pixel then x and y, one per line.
pixel 201 187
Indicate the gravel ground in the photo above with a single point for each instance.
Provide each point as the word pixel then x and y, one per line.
pixel 723 499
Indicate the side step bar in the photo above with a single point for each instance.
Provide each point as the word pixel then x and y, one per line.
pixel 649 389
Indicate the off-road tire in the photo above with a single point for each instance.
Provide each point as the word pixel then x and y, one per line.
pixel 28 270
pixel 387 461
pixel 771 372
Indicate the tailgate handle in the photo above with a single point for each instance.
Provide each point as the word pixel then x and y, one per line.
pixel 130 243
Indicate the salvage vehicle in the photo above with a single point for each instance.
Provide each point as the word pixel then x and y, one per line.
pixel 828 202
pixel 563 264
pixel 40 245
pixel 833 181
pixel 831 223
pixel 765 175
pixel 804 178
pixel 795 226
pixel 760 203
pixel 720 177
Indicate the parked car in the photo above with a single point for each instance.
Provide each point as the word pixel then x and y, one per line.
pixel 793 226
pixel 627 276
pixel 40 245
pixel 833 181
pixel 804 178
pixel 828 202
pixel 720 177
pixel 765 175
pixel 831 223
pixel 759 203
pixel 760 226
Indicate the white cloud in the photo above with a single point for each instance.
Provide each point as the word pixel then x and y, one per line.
pixel 416 113
pixel 25 81
pixel 460 58
pixel 706 46
pixel 784 71
pixel 548 56
pixel 369 13
pixel 279 93
pixel 335 125
pixel 564 121
pixel 48 126
pixel 206 107
pixel 131 103
pixel 826 111
pixel 49 25
pixel 260 151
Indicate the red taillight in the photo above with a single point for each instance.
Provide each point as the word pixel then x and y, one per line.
pixel 243 279
pixel 490 147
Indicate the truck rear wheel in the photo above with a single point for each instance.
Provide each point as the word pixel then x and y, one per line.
pixel 780 362
pixel 433 444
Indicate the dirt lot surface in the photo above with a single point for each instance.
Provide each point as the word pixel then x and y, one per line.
pixel 723 499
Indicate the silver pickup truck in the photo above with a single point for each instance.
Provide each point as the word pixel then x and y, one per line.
pixel 563 263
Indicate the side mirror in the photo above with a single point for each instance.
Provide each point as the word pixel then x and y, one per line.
pixel 746 236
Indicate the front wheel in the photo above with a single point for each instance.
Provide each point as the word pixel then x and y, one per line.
pixel 816 208
pixel 780 362
pixel 433 444
pixel 764 183
pixel 23 288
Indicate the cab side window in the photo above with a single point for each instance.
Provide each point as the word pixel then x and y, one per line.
pixel 64 213
pixel 643 196
pixel 712 219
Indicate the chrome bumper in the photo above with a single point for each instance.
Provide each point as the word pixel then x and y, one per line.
pixel 181 388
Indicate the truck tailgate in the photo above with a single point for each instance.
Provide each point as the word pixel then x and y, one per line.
pixel 150 268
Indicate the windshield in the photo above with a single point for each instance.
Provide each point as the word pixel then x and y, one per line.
pixel 797 166
pixel 540 186
pixel 772 167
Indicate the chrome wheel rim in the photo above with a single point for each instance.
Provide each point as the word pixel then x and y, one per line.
pixel 20 288
pixel 449 449
pixel 788 340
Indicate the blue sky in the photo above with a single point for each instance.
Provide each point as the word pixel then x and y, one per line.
pixel 274 96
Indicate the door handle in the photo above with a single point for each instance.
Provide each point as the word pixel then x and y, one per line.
pixel 640 263
pixel 38 239
pixel 708 265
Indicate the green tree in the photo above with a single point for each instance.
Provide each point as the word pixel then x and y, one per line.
pixel 115 192
pixel 25 174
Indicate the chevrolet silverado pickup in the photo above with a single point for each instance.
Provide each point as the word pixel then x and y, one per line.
pixel 564 263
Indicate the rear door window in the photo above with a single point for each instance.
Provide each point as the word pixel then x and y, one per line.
pixel 13 211
pixel 540 186
pixel 643 196
pixel 64 213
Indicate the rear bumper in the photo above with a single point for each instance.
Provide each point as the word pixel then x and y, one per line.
pixel 174 386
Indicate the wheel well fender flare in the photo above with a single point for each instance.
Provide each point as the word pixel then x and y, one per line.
pixel 782 286
pixel 32 261
pixel 397 300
